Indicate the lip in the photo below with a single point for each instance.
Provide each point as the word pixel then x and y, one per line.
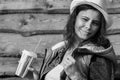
pixel 86 31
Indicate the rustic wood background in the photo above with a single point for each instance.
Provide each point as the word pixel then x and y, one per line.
pixel 24 22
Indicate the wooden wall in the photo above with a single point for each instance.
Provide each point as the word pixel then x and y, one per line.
pixel 23 23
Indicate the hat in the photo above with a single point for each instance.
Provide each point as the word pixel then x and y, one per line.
pixel 100 5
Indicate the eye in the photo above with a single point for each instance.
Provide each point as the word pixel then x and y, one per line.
pixel 96 23
pixel 84 19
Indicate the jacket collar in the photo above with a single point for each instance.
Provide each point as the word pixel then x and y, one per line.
pixel 104 52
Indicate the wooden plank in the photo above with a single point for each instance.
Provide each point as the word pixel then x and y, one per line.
pixel 115 40
pixel 21 4
pixel 66 3
pixel 8 66
pixel 113 10
pixel 43 6
pixel 30 22
pixel 19 23
pixel 114 4
pixel 12 45
pixel 29 4
pixel 116 21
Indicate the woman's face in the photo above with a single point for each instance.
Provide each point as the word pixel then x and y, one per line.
pixel 87 23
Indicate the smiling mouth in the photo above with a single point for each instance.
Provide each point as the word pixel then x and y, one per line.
pixel 87 32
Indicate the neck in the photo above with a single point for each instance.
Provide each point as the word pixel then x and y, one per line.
pixel 78 42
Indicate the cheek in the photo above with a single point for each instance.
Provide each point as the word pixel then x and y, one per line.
pixel 95 28
pixel 78 24
pixel 77 28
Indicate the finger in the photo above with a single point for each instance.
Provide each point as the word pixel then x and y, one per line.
pixel 31 69
pixel 35 72
pixel 67 63
pixel 36 75
pixel 70 58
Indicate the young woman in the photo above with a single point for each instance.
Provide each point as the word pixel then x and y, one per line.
pixel 85 53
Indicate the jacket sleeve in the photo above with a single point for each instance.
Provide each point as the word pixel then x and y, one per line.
pixel 100 69
pixel 52 58
pixel 48 56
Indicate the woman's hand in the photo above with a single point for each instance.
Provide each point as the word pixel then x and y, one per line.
pixel 67 61
pixel 34 73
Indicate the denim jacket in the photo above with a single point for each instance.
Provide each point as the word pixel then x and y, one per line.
pixel 101 65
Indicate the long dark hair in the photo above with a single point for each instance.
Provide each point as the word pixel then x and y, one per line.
pixel 98 39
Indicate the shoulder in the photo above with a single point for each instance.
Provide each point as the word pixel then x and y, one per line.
pixel 98 49
pixel 59 45
pixel 55 48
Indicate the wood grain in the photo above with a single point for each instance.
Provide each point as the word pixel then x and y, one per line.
pixel 8 65
pixel 18 23
pixel 12 44
pixel 46 6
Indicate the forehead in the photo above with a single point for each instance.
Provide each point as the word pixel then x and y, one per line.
pixel 93 14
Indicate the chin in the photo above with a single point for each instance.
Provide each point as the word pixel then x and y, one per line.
pixel 84 38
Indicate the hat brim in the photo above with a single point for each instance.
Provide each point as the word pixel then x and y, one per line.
pixel 104 13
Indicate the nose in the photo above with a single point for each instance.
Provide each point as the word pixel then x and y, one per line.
pixel 88 25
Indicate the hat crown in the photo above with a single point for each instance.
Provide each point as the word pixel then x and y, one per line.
pixel 100 3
